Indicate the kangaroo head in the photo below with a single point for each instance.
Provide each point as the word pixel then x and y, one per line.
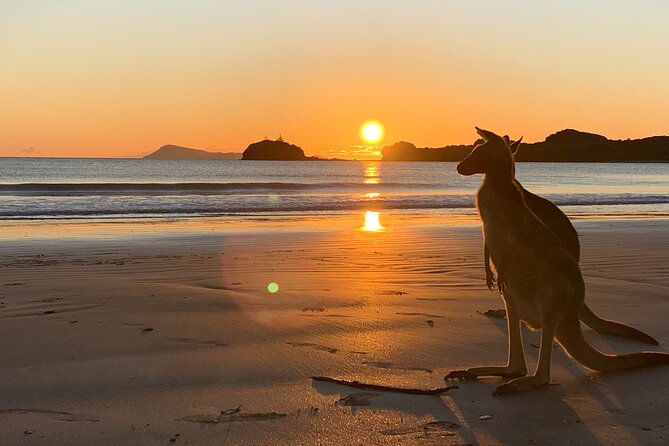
pixel 493 157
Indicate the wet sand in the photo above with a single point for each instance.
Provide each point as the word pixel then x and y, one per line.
pixel 165 333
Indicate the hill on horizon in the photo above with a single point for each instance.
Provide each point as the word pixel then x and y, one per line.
pixel 172 152
pixel 567 145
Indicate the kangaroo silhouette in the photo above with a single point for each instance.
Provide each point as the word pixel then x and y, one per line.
pixel 555 220
pixel 542 282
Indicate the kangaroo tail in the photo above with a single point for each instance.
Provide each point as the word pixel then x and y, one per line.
pixel 570 337
pixel 612 327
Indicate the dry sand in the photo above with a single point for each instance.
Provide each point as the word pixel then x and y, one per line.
pixel 137 333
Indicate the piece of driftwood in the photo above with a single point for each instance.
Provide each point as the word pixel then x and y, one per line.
pixel 358 384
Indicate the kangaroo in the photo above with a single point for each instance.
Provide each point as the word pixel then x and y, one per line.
pixel 544 286
pixel 553 218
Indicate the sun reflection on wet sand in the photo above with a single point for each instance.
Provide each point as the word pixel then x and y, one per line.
pixel 372 222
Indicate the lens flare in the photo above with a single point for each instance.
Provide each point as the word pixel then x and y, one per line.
pixel 273 287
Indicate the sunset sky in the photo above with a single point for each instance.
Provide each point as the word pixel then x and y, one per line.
pixel 123 77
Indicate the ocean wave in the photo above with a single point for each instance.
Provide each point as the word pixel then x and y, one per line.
pixel 606 199
pixel 206 205
pixel 94 189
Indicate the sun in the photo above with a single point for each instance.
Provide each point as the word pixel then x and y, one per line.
pixel 371 131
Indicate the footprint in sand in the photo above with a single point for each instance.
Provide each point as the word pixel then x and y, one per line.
pixel 498 313
pixel 232 416
pixel 419 314
pixel 60 416
pixel 391 366
pixel 357 399
pixel 49 299
pixel 313 309
pixel 314 346
pixel 216 287
pixel 329 315
pixel 433 427
pixel 436 298
pixel 144 328
pixel 197 342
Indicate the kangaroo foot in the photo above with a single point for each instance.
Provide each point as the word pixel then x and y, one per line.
pixel 475 372
pixel 519 385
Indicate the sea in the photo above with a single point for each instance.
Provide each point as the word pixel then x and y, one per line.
pixel 66 188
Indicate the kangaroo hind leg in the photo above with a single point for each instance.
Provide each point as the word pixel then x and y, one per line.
pixel 553 303
pixel 515 366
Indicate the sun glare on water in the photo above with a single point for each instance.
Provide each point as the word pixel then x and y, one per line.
pixel 371 131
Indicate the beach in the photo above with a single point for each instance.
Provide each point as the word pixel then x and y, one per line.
pixel 249 223
pixel 164 332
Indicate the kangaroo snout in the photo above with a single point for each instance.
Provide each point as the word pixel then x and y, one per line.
pixel 463 170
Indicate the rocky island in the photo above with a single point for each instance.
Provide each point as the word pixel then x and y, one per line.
pixel 276 150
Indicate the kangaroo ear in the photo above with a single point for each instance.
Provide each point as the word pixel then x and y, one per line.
pixel 487 135
pixel 506 139
pixel 514 146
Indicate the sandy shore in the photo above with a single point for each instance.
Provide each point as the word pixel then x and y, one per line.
pixel 136 333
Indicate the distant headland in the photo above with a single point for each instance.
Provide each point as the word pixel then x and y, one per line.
pixel 564 146
pixel 171 152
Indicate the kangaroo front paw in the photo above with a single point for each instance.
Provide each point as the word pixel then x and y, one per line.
pixel 460 375
pixel 501 284
pixel 520 385
pixel 475 372
pixel 490 281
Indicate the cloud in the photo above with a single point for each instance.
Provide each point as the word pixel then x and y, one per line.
pixel 357 152
pixel 30 151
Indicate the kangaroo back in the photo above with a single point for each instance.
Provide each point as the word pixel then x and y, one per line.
pixel 555 220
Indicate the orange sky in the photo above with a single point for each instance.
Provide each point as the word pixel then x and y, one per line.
pixel 90 79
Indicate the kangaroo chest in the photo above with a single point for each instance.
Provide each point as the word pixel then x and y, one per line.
pixel 503 223
pixel 513 254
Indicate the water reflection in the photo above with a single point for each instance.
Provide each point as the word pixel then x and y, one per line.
pixel 371 173
pixel 372 222
pixel 372 195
